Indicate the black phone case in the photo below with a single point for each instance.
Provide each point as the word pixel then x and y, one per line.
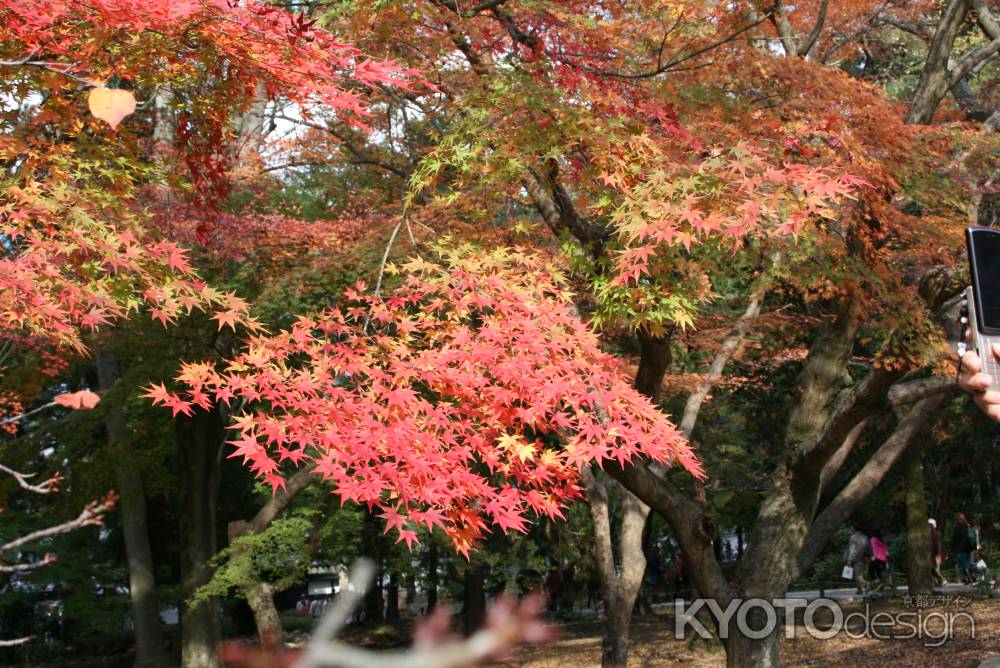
pixel 971 234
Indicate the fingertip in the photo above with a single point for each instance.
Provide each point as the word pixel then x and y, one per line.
pixel 970 361
pixel 994 412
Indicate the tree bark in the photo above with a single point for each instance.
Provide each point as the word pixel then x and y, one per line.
pixel 619 584
pixel 744 652
pixel 373 602
pixel 199 439
pixel 936 77
pixel 260 598
pixel 149 651
pixel 474 598
pixel 260 595
pixel 785 536
pixel 392 598
pixel 432 577
pixel 920 576
pixel 620 590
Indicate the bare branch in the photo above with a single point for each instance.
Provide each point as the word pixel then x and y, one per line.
pixel 62 69
pixel 694 402
pixel 16 642
pixel 673 63
pixel 92 515
pixel 813 35
pixel 46 487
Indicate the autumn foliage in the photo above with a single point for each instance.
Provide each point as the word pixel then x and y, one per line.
pixel 469 396
pixel 86 253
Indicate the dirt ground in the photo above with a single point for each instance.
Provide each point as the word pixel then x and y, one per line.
pixel 653 644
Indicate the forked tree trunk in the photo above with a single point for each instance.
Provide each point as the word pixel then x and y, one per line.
pixel 199 438
pixel 149 652
pixel 619 583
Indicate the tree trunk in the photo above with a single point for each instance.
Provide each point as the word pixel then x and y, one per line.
pixel 149 652
pixel 614 645
pixel 936 77
pixel 260 598
pixel 260 595
pixel 920 575
pixel 474 603
pixel 199 438
pixel 392 598
pixel 373 602
pixel 745 652
pixel 432 577
pixel 619 585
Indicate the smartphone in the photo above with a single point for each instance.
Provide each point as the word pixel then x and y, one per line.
pixel 984 297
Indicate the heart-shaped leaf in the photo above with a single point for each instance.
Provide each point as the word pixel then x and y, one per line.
pixel 84 399
pixel 111 104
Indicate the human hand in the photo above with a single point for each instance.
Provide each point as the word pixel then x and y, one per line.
pixel 975 382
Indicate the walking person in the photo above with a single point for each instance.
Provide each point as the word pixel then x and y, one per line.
pixel 937 551
pixel 977 561
pixel 856 556
pixel 879 564
pixel 962 546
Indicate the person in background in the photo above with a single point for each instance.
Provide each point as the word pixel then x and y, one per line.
pixel 937 551
pixel 856 556
pixel 880 558
pixel 680 576
pixel 963 546
pixel 978 565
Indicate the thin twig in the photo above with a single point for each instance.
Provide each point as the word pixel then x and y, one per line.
pixel 15 418
pixel 92 514
pixel 22 479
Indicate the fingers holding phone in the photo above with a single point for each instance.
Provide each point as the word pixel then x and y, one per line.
pixel 973 380
pixel 980 371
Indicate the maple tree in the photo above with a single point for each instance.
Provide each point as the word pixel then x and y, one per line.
pixel 690 161
pixel 657 140
pixel 87 241
pixel 436 403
